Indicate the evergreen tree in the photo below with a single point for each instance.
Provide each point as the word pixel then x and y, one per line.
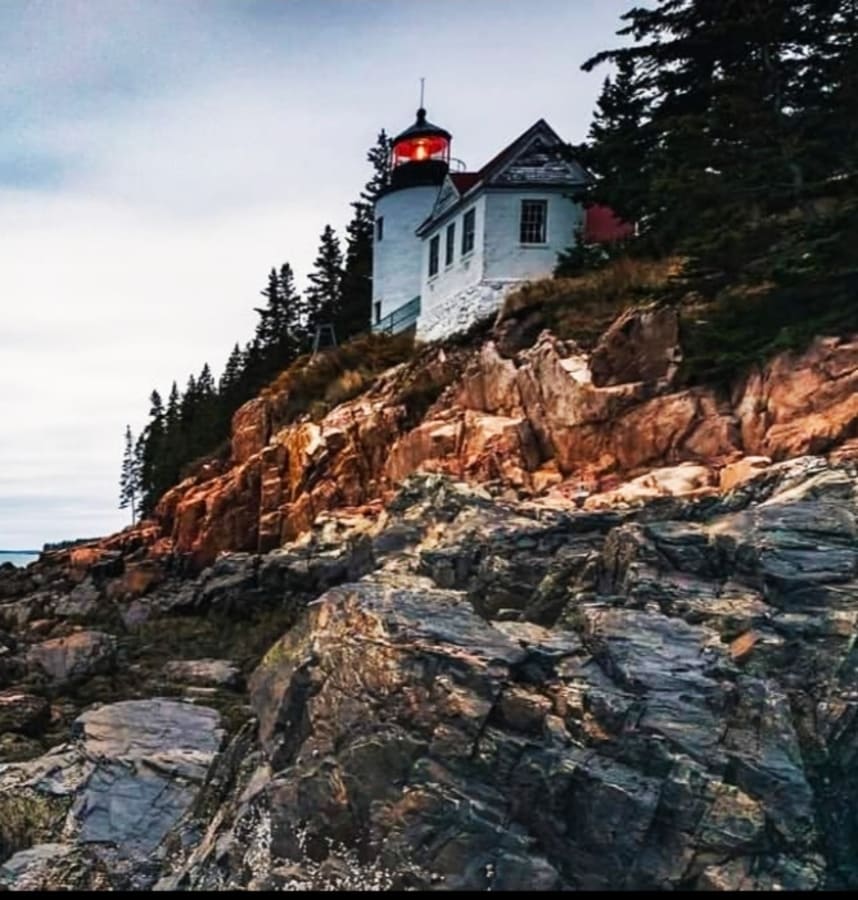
pixel 204 434
pixel 173 452
pixel 205 383
pixel 324 295
pixel 356 308
pixel 619 149
pixel 232 372
pixel 828 88
pixel 153 478
pixel 269 325
pixel 293 338
pixel 188 406
pixel 139 455
pixel 129 480
pixel 711 100
pixel 173 406
pixel 379 158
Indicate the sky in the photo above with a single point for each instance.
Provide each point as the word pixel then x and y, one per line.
pixel 158 157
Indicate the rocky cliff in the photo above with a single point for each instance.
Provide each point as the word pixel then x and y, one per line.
pixel 539 418
pixel 519 616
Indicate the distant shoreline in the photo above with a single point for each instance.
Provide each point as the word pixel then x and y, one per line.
pixel 20 552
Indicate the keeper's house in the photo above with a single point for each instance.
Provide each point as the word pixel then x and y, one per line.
pixel 449 245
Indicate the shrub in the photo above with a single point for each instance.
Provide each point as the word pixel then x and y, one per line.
pixel 315 384
pixel 348 385
pixel 582 307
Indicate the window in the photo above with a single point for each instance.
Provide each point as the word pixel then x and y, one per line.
pixel 434 246
pixel 379 228
pixel 451 245
pixel 378 310
pixel 533 217
pixel 468 229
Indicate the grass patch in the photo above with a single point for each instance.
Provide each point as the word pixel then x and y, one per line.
pixel 314 385
pixel 581 308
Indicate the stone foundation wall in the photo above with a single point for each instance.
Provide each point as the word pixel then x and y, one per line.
pixel 459 311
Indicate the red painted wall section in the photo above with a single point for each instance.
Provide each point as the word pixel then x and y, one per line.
pixel 602 226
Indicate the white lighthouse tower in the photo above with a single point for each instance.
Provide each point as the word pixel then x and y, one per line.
pixel 420 160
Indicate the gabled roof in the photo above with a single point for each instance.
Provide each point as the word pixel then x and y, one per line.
pixel 535 157
pixel 509 150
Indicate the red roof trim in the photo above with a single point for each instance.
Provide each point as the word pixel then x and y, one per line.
pixel 464 181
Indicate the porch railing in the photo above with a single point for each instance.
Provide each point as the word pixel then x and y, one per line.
pixel 400 319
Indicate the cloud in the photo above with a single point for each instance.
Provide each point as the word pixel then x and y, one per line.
pixel 157 158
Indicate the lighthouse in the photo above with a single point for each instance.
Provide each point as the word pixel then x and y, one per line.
pixel 420 160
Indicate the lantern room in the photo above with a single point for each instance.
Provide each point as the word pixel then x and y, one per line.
pixel 421 154
pixel 422 142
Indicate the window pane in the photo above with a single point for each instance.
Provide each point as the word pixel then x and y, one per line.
pixel 468 228
pixel 434 244
pixel 533 220
pixel 451 244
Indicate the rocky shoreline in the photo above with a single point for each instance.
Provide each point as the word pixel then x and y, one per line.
pixel 519 616
pixel 463 691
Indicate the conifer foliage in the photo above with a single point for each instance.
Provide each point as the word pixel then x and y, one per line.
pixel 129 479
pixel 195 422
pixel 722 113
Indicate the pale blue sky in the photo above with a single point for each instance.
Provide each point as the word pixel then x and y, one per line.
pixel 157 157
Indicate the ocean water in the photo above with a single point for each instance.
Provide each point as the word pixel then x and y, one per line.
pixel 17 558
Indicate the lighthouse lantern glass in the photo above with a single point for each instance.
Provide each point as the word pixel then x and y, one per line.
pixel 420 149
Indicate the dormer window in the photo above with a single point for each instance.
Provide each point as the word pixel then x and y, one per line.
pixel 534 216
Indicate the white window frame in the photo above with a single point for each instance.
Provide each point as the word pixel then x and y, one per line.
pixel 434 255
pixel 450 245
pixel 472 212
pixel 542 203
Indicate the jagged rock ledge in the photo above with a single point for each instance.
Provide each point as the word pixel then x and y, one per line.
pixel 472 691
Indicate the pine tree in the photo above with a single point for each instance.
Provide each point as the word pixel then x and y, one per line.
pixel 619 148
pixel 324 295
pixel 205 433
pixel 232 372
pixel 173 405
pixel 139 455
pixel 153 478
pixel 188 406
pixel 828 88
pixel 720 90
pixel 129 479
pixel 269 325
pixel 292 339
pixel 173 451
pixel 356 309
pixel 379 158
pixel 205 382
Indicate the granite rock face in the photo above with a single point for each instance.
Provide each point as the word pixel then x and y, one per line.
pixel 104 803
pixel 571 627
pixel 80 654
pixel 667 704
pixel 546 419
pixel 479 692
